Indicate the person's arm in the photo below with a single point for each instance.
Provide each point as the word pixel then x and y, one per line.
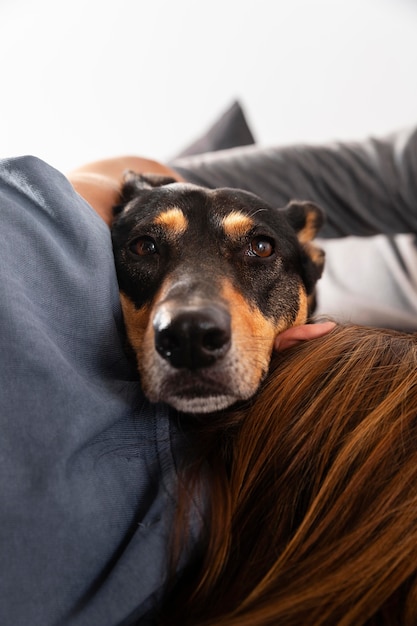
pixel 99 182
pixel 365 188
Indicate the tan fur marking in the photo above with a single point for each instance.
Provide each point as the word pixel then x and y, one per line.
pixel 236 224
pixel 316 254
pixel 303 308
pixel 173 220
pixel 136 322
pixel 309 231
pixel 253 334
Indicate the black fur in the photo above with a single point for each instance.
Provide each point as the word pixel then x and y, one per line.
pixel 225 255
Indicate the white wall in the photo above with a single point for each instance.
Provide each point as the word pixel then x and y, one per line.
pixel 95 78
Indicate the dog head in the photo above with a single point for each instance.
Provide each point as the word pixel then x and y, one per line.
pixel 207 279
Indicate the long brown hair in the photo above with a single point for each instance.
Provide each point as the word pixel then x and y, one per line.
pixel 314 499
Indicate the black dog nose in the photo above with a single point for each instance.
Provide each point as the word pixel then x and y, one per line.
pixel 193 338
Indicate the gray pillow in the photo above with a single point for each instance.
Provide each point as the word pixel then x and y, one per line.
pixel 229 131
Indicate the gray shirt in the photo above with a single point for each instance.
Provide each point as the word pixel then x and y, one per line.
pixel 87 471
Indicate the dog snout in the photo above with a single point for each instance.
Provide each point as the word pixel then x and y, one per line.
pixel 193 338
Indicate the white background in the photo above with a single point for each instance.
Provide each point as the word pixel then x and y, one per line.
pixel 89 79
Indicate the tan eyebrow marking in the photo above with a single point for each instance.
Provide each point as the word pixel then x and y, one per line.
pixel 173 220
pixel 236 224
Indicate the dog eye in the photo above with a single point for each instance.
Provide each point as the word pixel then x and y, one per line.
pixel 144 246
pixel 261 247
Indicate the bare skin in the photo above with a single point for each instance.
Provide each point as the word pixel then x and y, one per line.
pixel 298 334
pixel 99 184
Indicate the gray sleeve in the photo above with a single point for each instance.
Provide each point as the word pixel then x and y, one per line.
pixel 366 188
pixel 86 464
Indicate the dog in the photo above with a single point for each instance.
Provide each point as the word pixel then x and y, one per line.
pixel 207 279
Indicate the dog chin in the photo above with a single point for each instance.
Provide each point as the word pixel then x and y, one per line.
pixel 199 405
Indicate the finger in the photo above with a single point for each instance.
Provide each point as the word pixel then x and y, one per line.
pixel 305 332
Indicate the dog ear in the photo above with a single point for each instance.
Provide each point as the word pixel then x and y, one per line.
pixel 307 218
pixel 134 184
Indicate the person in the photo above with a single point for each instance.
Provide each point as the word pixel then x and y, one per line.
pixel 314 492
pixel 89 469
